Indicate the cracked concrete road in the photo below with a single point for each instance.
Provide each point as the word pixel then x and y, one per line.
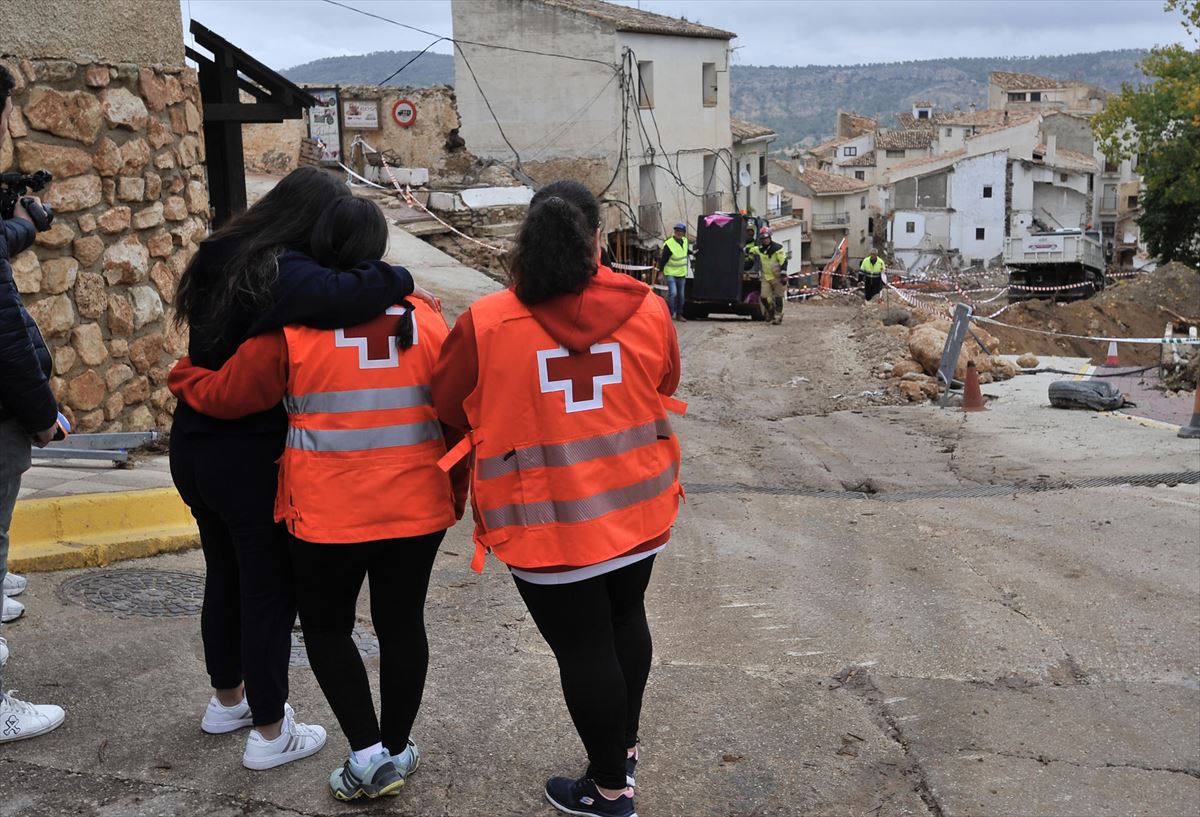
pixel 819 650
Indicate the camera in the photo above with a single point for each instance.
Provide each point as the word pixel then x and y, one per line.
pixel 12 189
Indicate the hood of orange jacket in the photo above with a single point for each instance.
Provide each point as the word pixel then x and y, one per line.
pixel 579 320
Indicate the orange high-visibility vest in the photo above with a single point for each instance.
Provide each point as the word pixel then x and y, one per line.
pixel 575 460
pixel 363 439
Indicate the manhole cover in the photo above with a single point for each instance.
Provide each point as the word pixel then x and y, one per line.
pixel 150 593
pixel 364 639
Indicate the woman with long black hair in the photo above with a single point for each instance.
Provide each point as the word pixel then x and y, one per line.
pixel 563 381
pixel 252 276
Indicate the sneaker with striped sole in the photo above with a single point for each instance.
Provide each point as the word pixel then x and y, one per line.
pixel 378 778
pixel 295 741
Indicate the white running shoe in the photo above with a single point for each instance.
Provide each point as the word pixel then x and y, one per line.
pixel 219 720
pixel 14 585
pixel 295 741
pixel 11 611
pixel 3 652
pixel 20 720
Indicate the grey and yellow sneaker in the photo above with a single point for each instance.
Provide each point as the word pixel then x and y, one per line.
pixel 378 778
pixel 407 761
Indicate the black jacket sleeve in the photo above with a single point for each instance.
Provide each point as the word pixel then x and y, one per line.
pixel 24 377
pixel 315 296
pixel 664 258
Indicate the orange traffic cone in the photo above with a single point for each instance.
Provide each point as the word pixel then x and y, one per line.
pixel 972 396
pixel 1192 429
pixel 1113 360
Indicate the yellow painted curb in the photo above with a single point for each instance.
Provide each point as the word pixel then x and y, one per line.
pixel 89 530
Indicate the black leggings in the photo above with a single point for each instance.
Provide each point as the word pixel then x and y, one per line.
pixel 597 629
pixel 249 606
pixel 328 580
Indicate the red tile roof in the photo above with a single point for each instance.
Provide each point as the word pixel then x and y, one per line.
pixel 1012 81
pixel 898 139
pixel 624 18
pixel 822 183
pixel 743 130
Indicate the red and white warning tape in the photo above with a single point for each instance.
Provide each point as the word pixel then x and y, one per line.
pixel 1189 341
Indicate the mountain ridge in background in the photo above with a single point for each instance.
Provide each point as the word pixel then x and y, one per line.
pixel 799 102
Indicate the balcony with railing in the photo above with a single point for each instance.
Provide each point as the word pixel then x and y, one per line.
pixel 825 221
pixel 650 220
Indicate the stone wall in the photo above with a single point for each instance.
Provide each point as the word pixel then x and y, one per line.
pixel 274 148
pixel 147 32
pixel 125 146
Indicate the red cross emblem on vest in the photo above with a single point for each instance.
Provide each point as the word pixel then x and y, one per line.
pixel 581 376
pixel 375 340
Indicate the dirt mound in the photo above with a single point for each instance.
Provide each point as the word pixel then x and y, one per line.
pixel 1137 308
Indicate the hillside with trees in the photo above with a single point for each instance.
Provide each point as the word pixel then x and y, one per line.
pixel 800 103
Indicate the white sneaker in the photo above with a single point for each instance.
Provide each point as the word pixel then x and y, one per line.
pixel 295 741
pixel 219 719
pixel 20 720
pixel 14 585
pixel 3 652
pixel 11 611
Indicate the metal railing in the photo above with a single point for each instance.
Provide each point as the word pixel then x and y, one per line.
pixel 830 219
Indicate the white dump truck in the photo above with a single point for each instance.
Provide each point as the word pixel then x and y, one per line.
pixel 1072 259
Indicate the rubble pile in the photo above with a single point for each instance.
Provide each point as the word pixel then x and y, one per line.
pixel 1140 307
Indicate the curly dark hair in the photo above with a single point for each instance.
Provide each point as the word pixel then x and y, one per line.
pixel 281 220
pixel 555 251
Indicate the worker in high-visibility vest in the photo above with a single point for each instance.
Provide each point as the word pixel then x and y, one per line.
pixel 871 272
pixel 674 264
pixel 772 260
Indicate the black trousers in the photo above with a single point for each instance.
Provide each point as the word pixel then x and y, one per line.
pixel 872 284
pixel 328 581
pixel 597 629
pixel 249 601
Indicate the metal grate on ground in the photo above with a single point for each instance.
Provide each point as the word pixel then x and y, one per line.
pixel 133 592
pixel 965 492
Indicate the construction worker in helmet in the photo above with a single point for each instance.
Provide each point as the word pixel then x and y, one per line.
pixel 771 259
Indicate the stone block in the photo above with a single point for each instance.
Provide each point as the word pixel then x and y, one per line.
pixel 146 352
pixel 117 374
pixel 64 359
pixel 89 422
pixel 126 262
pixel 158 375
pixel 115 220
pixel 131 188
pixel 54 315
pixel 91 294
pixel 71 195
pixel 85 391
pixel 158 90
pixel 56 70
pixel 59 274
pixel 27 273
pixel 135 154
pixel 148 217
pixel 178 121
pixel 177 183
pixel 164 160
pixel 87 223
pixel 140 419
pixel 164 279
pixel 175 209
pixel 120 315
pixel 88 341
pixel 113 406
pixel 153 186
pixel 196 197
pixel 110 190
pixel 159 133
pixel 17 128
pixel 119 347
pixel 159 243
pixel 147 306
pixel 162 399
pixel 88 249
pixel 58 236
pixel 122 109
pixel 108 159
pixel 70 114
pixel 188 150
pixel 136 390
pixel 97 76
pixel 61 160
pixel 191 117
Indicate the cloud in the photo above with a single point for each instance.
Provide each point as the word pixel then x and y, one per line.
pixel 283 33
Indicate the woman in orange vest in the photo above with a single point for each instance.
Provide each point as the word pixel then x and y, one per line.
pixel 563 381
pixel 361 428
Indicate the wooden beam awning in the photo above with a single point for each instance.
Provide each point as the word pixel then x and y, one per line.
pixel 276 98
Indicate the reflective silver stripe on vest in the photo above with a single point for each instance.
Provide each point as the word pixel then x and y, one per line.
pixel 334 402
pixel 573 452
pixel 362 439
pixel 580 510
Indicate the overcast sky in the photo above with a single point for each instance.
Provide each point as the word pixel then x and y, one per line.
pixel 283 33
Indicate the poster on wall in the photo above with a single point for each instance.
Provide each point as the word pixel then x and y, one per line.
pixel 323 123
pixel 360 114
